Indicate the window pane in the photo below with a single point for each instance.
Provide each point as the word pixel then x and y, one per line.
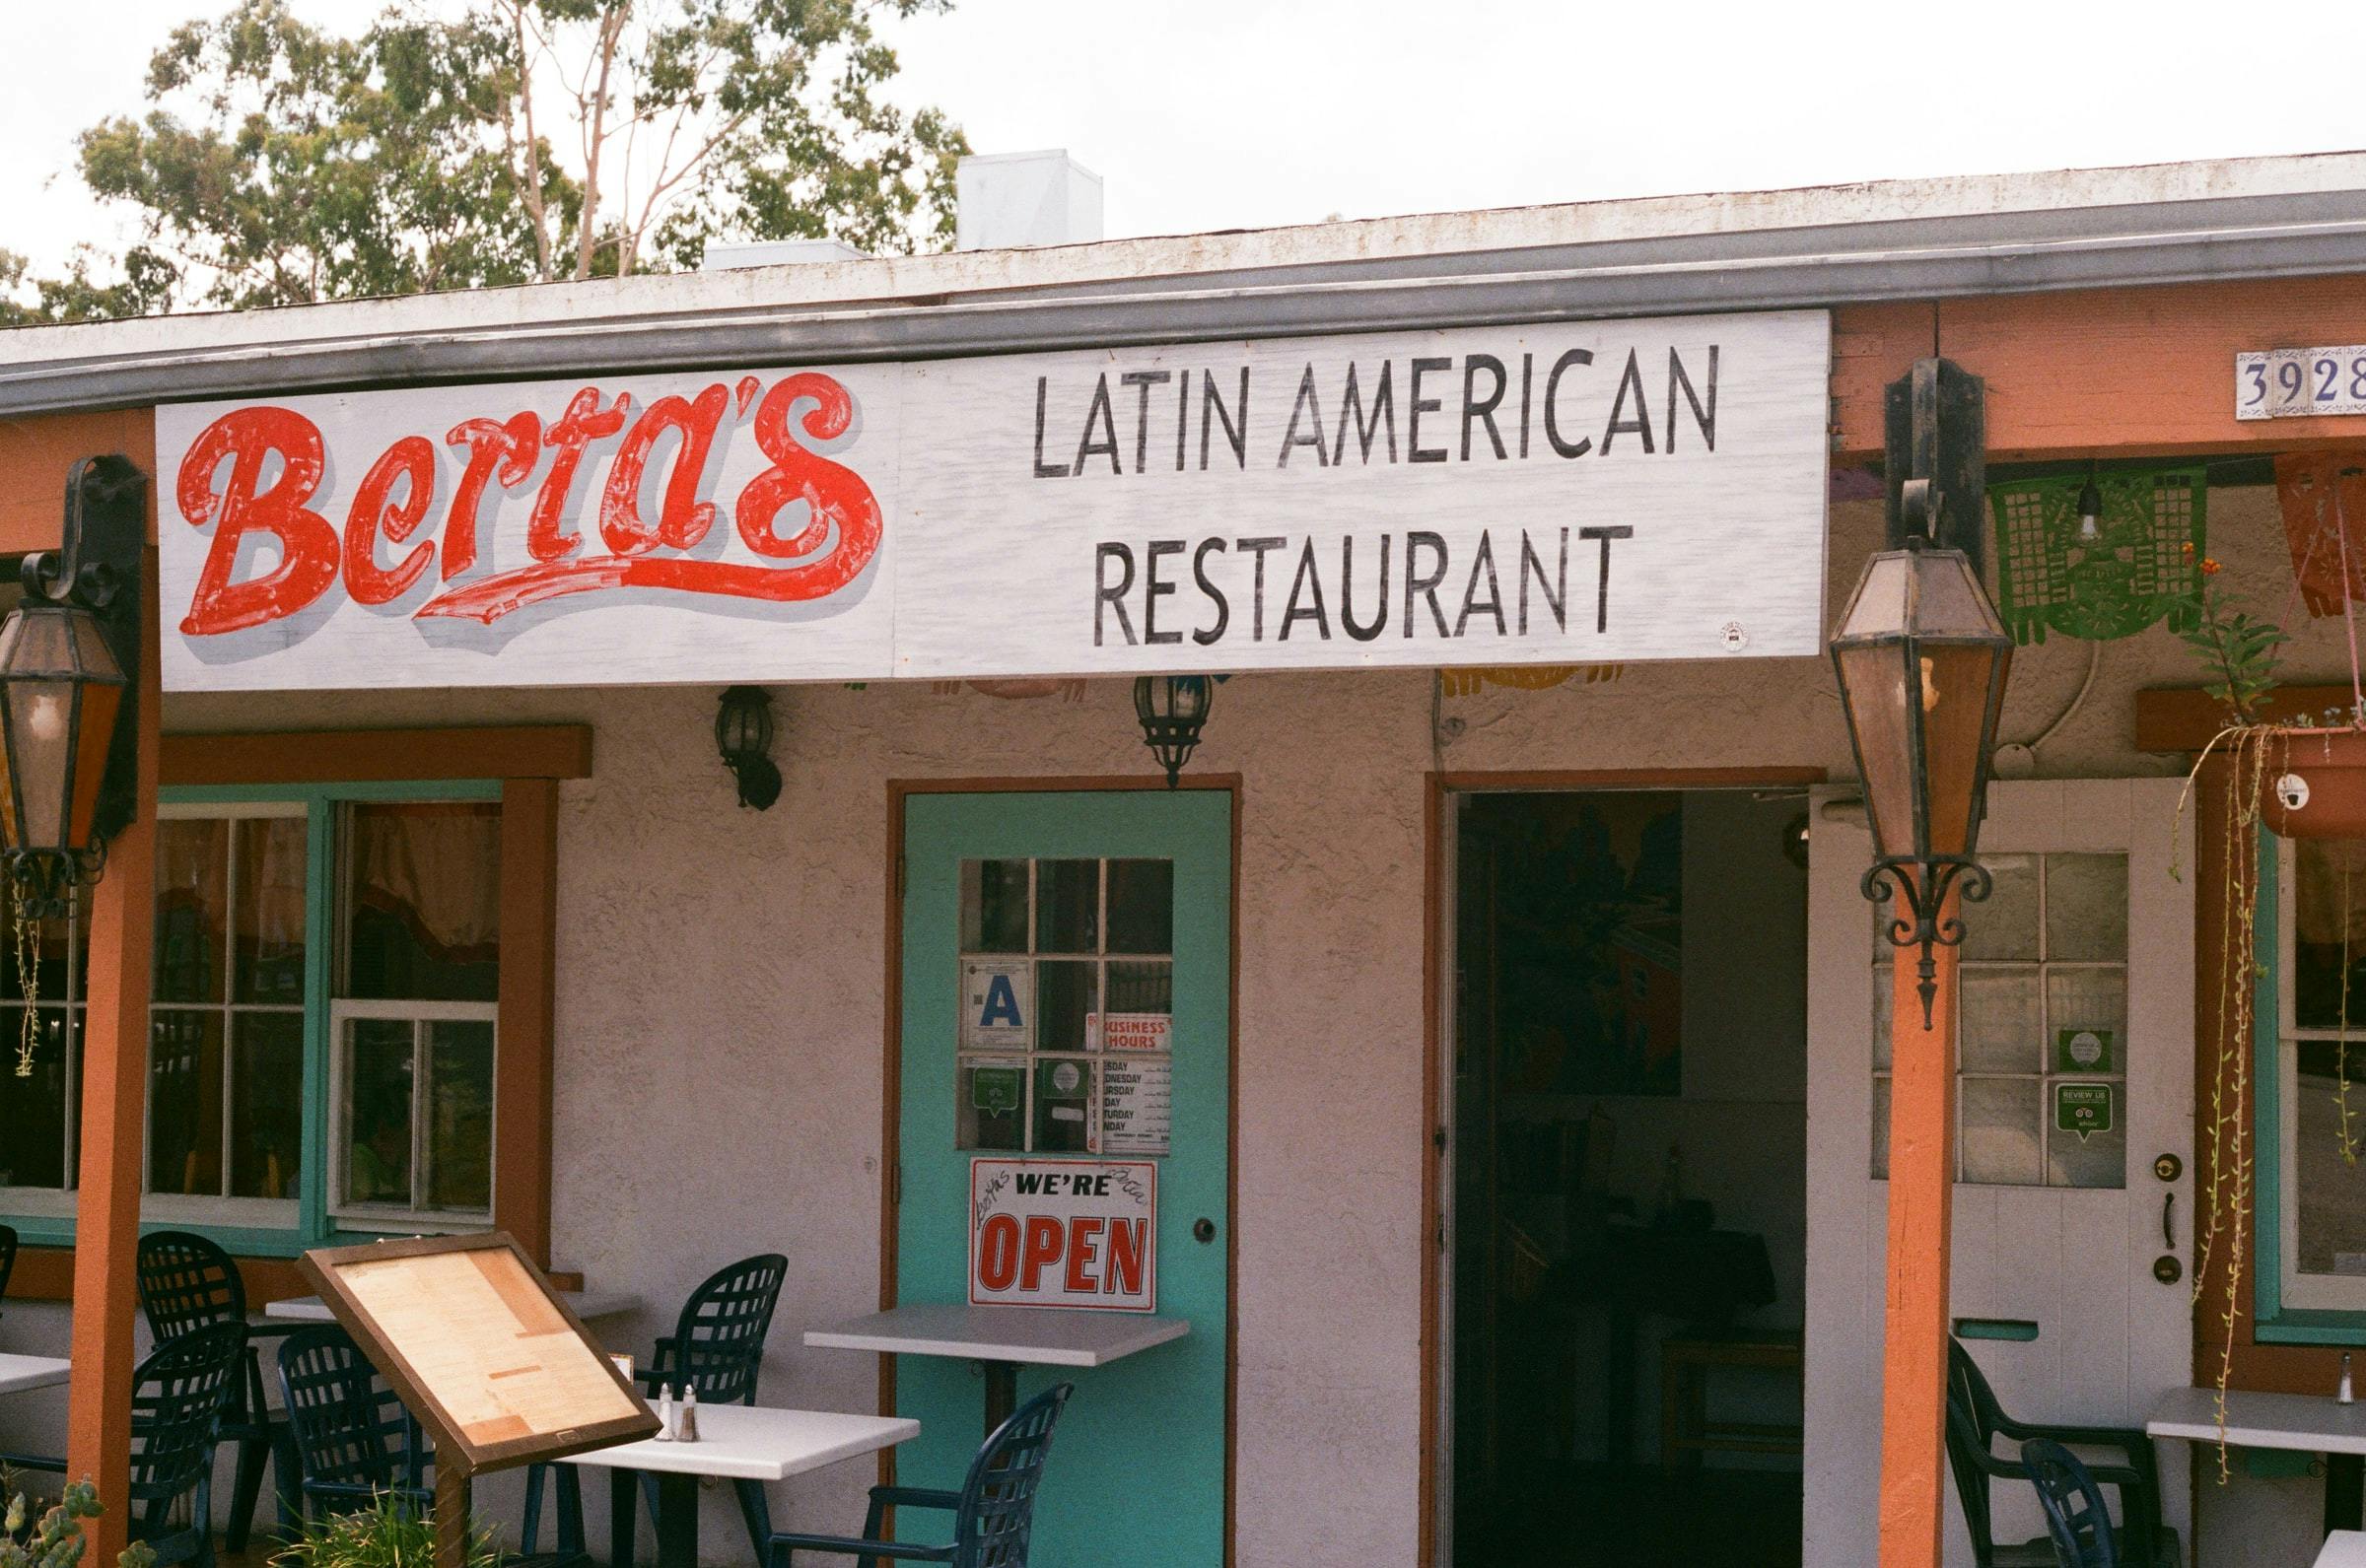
pixel 2086 908
pixel 2328 899
pixel 460 1127
pixel 33 1109
pixel 994 905
pixel 2331 1200
pixel 268 926
pixel 1067 901
pixel 193 893
pixel 1062 1090
pixel 2001 1028
pixel 423 886
pixel 1142 906
pixel 377 1071
pixel 1140 987
pixel 2100 1159
pixel 2004 924
pixel 1064 993
pixel 2086 1014
pixel 993 1104
pixel 185 1101
pixel 2001 1131
pixel 266 1104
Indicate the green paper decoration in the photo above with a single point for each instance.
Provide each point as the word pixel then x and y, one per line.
pixel 2134 572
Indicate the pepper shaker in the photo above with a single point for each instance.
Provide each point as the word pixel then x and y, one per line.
pixel 687 1431
pixel 2341 1396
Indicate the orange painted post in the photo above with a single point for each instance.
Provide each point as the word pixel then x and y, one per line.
pixel 114 1077
pixel 1914 1360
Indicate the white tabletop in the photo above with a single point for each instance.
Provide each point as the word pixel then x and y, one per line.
pixel 1043 1336
pixel 753 1443
pixel 587 1305
pixel 31 1372
pixel 2308 1423
pixel 2344 1549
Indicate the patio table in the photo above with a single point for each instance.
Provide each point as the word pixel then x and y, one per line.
pixel 1003 1339
pixel 736 1442
pixel 2304 1423
pixel 17 1373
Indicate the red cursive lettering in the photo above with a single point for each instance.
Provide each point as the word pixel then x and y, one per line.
pixel 683 520
pixel 584 422
pixel 508 447
pixel 411 461
pixel 308 544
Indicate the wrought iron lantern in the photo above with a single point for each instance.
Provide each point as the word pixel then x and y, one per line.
pixel 743 735
pixel 63 690
pixel 1173 708
pixel 1922 658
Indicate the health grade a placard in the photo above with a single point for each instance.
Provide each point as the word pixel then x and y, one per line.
pixel 1064 1233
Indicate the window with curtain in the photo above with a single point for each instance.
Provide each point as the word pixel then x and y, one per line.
pixel 2318 1131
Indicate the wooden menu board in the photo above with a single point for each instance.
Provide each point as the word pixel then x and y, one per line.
pixel 481 1348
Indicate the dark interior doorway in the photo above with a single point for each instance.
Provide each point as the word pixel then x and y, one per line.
pixel 1630 1184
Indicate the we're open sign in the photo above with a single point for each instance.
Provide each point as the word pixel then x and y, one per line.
pixel 1064 1233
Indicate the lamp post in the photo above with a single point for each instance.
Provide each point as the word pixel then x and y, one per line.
pixel 1922 658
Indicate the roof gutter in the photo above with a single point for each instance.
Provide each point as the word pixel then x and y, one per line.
pixel 1679 275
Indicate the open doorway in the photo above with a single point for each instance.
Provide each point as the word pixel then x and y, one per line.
pixel 1629 1101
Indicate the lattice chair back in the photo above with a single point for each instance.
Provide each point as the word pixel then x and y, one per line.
pixel 717 1343
pixel 2075 1515
pixel 351 1435
pixel 997 1513
pixel 179 1395
pixel 187 1283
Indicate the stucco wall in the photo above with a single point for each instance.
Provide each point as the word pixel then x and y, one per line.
pixel 719 1016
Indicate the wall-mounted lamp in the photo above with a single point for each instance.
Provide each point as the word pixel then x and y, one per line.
pixel 743 735
pixel 66 693
pixel 1173 708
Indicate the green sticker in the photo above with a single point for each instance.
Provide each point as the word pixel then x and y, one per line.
pixel 2083 1051
pixel 2082 1108
pixel 994 1090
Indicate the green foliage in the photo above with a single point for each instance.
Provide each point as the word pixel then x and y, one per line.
pixel 471 143
pixel 387 1534
pixel 2240 651
pixel 56 1540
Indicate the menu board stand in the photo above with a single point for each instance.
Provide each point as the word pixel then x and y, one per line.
pixel 483 1353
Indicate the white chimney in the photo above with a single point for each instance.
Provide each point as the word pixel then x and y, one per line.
pixel 1006 200
pixel 776 253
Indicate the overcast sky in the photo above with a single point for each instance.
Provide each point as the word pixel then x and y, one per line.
pixel 1236 114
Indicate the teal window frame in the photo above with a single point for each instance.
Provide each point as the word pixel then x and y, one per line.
pixel 314 1227
pixel 2272 1322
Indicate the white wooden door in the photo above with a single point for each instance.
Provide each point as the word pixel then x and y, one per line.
pixel 2044 1005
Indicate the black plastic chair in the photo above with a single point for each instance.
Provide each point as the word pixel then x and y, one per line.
pixel 179 1397
pixel 186 1283
pixel 1975 1420
pixel 717 1348
pixel 355 1444
pixel 2075 1517
pixel 993 1512
pixel 7 1257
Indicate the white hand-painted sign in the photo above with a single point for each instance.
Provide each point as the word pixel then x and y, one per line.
pixel 1571 492
pixel 1064 1233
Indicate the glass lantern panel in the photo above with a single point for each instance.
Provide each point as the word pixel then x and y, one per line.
pixel 1873 686
pixel 40 716
pixel 1955 720
pixel 94 732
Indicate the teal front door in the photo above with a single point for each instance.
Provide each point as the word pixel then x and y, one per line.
pixel 1067 997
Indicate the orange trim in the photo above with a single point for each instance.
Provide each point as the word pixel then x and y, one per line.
pixel 2122 371
pixel 114 1081
pixel 36 455
pixel 527 1010
pixel 373 756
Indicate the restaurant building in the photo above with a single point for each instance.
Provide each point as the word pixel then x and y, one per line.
pixel 1492 1003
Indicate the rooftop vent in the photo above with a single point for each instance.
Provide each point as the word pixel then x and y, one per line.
pixel 776 253
pixel 1006 200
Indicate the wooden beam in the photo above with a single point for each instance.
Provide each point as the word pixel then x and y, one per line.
pixel 1872 345
pixel 2174 719
pixel 529 900
pixel 115 1075
pixel 1913 1361
pixel 372 756
pixel 37 451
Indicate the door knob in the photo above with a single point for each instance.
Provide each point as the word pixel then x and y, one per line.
pixel 2166 1270
pixel 2168 1167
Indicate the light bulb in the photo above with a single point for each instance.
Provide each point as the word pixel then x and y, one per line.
pixel 2090 513
pixel 47 720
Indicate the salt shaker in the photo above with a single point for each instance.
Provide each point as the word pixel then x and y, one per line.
pixel 687 1430
pixel 2341 1396
pixel 664 1413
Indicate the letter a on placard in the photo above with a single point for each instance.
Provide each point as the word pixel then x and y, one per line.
pixel 1002 1003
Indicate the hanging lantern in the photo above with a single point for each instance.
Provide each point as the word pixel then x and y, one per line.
pixel 743 735
pixel 1172 709
pixel 1921 659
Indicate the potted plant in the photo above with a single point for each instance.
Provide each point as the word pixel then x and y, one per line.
pixel 56 1539
pixel 390 1532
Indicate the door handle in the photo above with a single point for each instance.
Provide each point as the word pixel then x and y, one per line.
pixel 2168 1220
